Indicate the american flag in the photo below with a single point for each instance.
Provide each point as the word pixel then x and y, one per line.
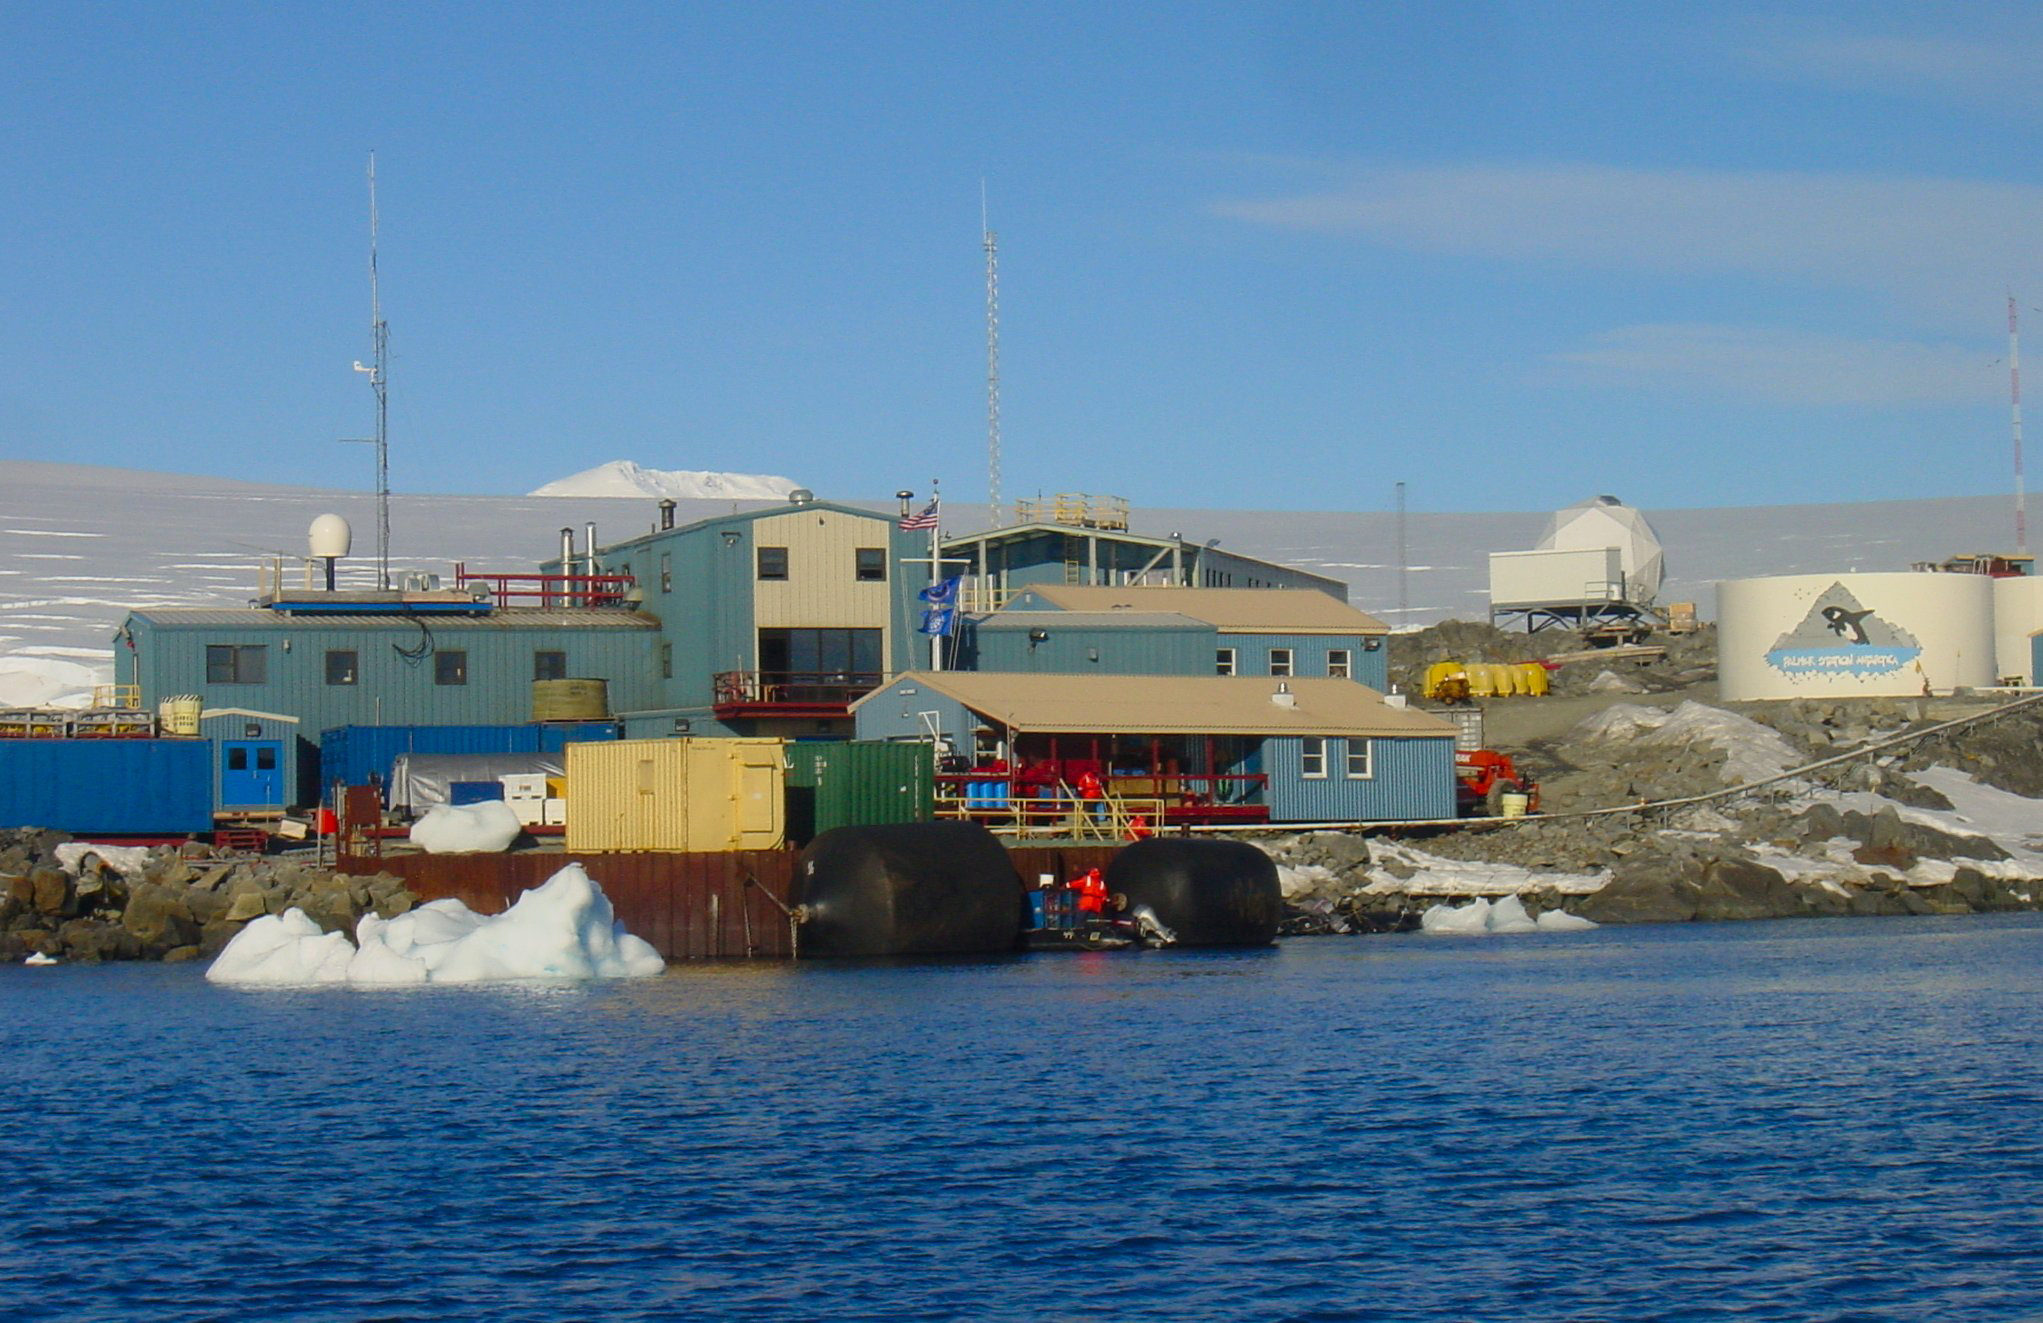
pixel 924 518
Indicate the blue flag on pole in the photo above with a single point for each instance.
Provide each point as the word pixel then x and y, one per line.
pixel 944 593
pixel 936 621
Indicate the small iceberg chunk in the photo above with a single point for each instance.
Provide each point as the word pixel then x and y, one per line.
pixel 283 950
pixel 562 929
pixel 1481 918
pixel 485 828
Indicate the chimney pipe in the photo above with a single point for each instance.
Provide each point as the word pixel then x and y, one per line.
pixel 589 550
pixel 666 512
pixel 567 551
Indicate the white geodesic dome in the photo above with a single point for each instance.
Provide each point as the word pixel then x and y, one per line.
pixel 1605 521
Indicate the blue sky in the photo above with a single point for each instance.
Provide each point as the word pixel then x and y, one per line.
pixel 1251 256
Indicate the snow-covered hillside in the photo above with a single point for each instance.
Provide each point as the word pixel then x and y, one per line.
pixel 623 478
pixel 79 547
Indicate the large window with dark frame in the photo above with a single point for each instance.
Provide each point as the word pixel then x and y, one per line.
pixel 872 564
pixel 825 657
pixel 772 562
pixel 450 667
pixel 343 666
pixel 549 665
pixel 237 663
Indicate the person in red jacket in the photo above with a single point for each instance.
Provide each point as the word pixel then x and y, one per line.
pixel 1092 894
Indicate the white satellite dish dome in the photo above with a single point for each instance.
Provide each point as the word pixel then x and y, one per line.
pixel 1605 521
pixel 331 537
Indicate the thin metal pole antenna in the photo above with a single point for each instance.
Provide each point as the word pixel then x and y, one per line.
pixel 991 241
pixel 2015 389
pixel 375 370
pixel 1403 603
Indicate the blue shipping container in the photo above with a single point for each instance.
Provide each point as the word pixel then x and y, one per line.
pixel 108 787
pixel 474 792
pixel 353 754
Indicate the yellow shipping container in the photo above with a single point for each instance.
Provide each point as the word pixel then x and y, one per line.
pixel 697 795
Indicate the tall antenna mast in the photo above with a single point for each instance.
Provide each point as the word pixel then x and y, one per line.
pixel 379 343
pixel 2015 394
pixel 1403 604
pixel 991 242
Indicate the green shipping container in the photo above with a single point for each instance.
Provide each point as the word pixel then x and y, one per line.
pixel 857 783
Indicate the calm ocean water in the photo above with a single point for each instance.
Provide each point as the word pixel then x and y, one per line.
pixel 1797 1120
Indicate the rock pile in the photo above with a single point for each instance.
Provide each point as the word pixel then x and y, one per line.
pixel 170 903
pixel 1688 659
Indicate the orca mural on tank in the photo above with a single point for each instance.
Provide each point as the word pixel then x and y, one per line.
pixel 1842 636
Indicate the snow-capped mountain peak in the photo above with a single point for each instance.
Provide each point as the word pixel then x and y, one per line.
pixel 622 477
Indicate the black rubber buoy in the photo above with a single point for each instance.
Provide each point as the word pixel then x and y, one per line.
pixel 1208 893
pixel 910 888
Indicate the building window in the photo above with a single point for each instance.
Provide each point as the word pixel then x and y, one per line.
pixel 1223 661
pixel 666 571
pixel 1338 663
pixel 343 666
pixel 1361 759
pixel 773 562
pixel 666 661
pixel 450 668
pixel 1312 758
pixel 548 666
pixel 794 658
pixel 872 564
pixel 237 663
pixel 1280 661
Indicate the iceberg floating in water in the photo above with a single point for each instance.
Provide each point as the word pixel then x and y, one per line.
pixel 1481 918
pixel 562 929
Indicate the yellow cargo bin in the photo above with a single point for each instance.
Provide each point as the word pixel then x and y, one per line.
pixel 1534 680
pixel 694 795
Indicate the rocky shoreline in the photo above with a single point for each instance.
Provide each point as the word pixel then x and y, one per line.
pixel 1848 840
pixel 169 903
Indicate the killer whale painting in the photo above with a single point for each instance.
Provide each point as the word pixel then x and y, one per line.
pixel 1841 636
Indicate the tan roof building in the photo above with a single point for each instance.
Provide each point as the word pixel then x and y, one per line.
pixel 1230 610
pixel 1165 705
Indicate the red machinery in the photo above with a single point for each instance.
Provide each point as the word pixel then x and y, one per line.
pixel 1483 777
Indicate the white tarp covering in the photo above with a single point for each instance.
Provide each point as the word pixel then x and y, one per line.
pixel 561 929
pixel 420 780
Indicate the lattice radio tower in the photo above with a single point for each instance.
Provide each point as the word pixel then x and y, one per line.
pixel 991 241
pixel 2015 396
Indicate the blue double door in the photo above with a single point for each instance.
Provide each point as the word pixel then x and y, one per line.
pixel 251 773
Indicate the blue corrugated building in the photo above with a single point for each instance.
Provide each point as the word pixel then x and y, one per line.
pixel 1085 540
pixel 1274 632
pixel 1211 748
pixel 272 680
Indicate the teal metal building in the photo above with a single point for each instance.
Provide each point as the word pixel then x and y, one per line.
pixel 1279 633
pixel 772 621
pixel 272 680
pixel 1243 749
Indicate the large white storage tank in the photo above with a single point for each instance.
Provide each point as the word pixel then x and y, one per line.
pixel 2017 613
pixel 1854 635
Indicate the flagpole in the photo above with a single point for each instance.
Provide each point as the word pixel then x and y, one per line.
pixel 935 570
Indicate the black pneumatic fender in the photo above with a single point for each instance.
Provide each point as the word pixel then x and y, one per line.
pixel 910 888
pixel 1208 893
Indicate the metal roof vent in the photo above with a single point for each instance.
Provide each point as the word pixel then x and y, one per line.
pixel 1284 697
pixel 801 496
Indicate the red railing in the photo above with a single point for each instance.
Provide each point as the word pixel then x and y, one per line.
pixel 556 591
pixel 793 689
pixel 1186 797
